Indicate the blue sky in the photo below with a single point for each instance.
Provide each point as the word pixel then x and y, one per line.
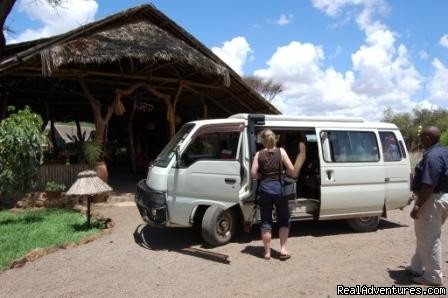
pixel 333 57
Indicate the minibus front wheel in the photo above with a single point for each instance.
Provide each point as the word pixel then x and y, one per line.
pixel 364 224
pixel 218 225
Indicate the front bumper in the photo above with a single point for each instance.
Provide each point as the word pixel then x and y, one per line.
pixel 151 204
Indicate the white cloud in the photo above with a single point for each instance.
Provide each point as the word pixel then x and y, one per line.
pixel 364 19
pixel 309 90
pixel 381 76
pixel 383 68
pixel 235 53
pixel 69 15
pixel 285 19
pixel 444 41
pixel 438 85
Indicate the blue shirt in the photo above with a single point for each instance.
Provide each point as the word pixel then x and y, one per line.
pixel 432 169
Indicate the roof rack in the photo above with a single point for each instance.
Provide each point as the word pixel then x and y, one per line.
pixel 300 118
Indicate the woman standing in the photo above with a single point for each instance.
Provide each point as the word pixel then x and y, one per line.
pixel 266 167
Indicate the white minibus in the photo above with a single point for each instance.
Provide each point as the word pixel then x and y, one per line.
pixel 354 170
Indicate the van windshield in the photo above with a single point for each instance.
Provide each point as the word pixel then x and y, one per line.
pixel 165 156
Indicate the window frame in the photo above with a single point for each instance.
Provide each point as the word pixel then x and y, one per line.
pixel 328 149
pixel 210 129
pixel 398 143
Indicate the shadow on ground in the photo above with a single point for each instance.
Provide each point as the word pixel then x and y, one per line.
pixel 176 239
pixel 401 277
pixel 258 252
pixel 314 229
pixel 166 239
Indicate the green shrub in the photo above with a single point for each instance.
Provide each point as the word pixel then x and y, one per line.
pixel 21 153
pixel 54 186
pixel 93 152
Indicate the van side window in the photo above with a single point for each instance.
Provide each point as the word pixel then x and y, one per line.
pixel 352 146
pixel 389 146
pixel 211 145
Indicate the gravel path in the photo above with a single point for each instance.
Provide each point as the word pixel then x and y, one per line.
pixel 324 255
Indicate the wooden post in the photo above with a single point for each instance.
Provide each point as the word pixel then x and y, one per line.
pixel 173 116
pixel 170 113
pixel 100 121
pixel 89 198
pixel 204 107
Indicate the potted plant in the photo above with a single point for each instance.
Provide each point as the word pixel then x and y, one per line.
pixel 54 189
pixel 94 156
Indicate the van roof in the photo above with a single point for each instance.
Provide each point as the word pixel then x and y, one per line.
pixel 302 118
pixel 303 121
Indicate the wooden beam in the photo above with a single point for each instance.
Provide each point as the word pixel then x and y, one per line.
pixel 77 73
pixel 170 115
pixel 219 105
pixel 154 68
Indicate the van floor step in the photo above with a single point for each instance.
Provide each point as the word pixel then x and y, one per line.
pixel 300 200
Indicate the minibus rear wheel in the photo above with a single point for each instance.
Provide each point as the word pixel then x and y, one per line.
pixel 364 224
pixel 218 225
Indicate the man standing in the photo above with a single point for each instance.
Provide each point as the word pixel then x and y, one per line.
pixel 430 210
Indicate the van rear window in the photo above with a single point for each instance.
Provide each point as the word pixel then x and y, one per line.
pixel 351 146
pixel 391 149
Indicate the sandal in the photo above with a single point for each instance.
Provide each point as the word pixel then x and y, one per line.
pixel 284 257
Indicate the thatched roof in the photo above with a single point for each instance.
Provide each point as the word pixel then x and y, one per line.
pixel 141 40
pixel 138 44
pixel 88 183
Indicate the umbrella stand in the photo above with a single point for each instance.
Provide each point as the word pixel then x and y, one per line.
pixel 89 197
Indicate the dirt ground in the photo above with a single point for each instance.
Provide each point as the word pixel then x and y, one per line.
pixel 134 261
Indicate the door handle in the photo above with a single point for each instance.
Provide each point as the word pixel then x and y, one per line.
pixel 387 179
pixel 330 175
pixel 230 180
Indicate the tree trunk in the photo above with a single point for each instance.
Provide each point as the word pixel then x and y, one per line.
pixel 100 121
pixel 5 9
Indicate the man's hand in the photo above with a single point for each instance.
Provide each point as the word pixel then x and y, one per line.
pixel 423 195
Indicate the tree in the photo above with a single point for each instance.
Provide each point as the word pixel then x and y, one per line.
pixel 21 152
pixel 403 121
pixel 408 123
pixel 5 9
pixel 268 88
pixel 444 138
